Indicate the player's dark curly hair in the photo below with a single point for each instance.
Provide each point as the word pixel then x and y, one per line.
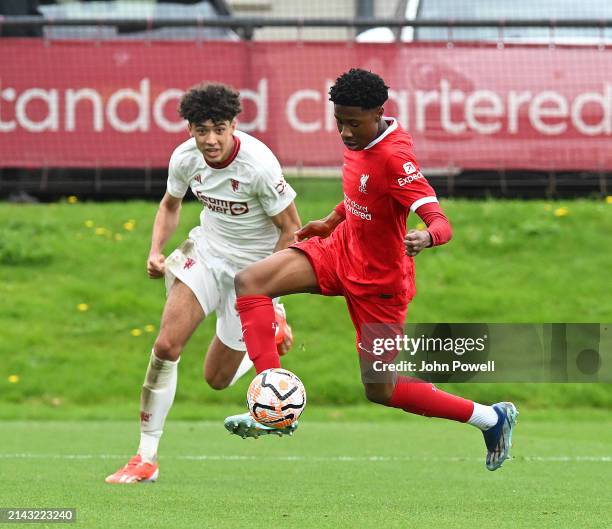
pixel 205 101
pixel 359 88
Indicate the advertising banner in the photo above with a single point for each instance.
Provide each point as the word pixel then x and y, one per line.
pixel 114 103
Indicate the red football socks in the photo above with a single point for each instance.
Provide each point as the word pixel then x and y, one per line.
pixel 423 398
pixel 258 329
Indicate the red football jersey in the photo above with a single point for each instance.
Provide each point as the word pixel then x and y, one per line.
pixel 381 184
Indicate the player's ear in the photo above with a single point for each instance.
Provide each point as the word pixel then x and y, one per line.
pixel 233 124
pixel 190 128
pixel 380 112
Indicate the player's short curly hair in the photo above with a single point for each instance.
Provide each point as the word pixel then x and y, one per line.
pixel 359 88
pixel 205 101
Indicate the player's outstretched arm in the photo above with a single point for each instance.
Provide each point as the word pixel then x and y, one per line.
pixel 321 228
pixel 166 221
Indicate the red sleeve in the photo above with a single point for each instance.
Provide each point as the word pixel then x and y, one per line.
pixel 407 184
pixel 339 209
pixel 438 225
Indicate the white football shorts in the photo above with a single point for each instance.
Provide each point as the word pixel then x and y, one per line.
pixel 211 279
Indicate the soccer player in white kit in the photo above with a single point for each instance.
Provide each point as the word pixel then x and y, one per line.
pixel 248 213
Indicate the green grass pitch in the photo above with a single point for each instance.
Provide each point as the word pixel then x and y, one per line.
pixel 384 470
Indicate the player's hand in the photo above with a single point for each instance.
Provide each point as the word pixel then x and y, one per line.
pixel 315 228
pixel 284 347
pixel 416 240
pixel 283 335
pixel 156 265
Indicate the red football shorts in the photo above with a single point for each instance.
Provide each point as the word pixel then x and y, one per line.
pixel 373 316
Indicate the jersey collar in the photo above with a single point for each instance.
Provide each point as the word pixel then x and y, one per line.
pixel 392 126
pixel 230 158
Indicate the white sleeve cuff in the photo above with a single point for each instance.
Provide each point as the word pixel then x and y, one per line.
pixel 425 200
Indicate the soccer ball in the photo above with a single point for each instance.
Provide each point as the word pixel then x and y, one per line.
pixel 276 398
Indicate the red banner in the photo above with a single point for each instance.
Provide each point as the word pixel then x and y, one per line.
pixel 113 104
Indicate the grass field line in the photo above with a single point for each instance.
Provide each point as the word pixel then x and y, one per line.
pixel 317 459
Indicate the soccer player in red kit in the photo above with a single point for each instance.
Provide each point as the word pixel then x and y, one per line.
pixel 361 251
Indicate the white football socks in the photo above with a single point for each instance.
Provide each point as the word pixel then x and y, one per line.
pixel 483 417
pixel 244 366
pixel 155 401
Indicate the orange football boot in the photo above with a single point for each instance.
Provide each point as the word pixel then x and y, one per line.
pixel 135 471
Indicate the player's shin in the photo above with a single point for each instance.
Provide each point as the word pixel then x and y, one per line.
pixel 258 329
pixel 422 398
pixel 155 401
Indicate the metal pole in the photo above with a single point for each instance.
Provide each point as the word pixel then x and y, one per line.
pixel 365 8
pixel 256 22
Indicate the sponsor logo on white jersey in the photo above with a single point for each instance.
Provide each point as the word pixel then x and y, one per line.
pixel 363 183
pixel 223 206
pixel 238 208
pixel 409 179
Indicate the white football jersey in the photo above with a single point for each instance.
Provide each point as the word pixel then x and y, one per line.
pixel 238 199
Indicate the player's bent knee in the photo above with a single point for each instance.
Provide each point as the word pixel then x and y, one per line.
pixel 166 350
pixel 217 381
pixel 244 283
pixel 378 393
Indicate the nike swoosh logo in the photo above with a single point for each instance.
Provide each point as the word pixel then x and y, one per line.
pixel 366 350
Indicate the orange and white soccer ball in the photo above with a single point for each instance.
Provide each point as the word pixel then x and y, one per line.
pixel 276 398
